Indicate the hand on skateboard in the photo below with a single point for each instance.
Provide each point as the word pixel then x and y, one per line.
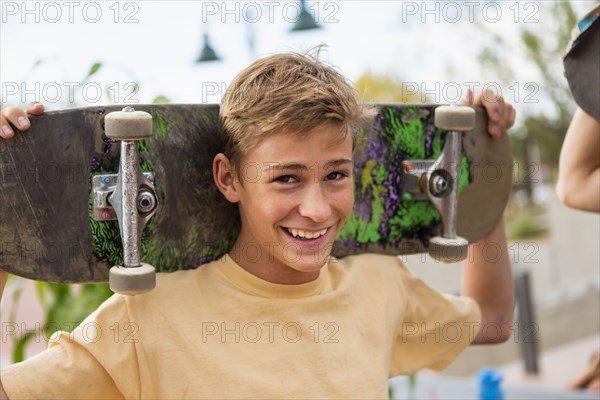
pixel 18 118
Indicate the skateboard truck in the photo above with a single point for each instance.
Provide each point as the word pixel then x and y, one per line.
pixel 437 181
pixel 133 199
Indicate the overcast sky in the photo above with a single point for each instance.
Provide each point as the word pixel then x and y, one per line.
pixel 432 45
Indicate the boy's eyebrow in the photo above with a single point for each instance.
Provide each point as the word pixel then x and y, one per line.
pixel 297 166
pixel 336 163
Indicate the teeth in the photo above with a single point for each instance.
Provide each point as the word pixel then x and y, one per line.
pixel 299 233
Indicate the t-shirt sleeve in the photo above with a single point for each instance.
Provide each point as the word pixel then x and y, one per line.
pixel 97 360
pixel 433 329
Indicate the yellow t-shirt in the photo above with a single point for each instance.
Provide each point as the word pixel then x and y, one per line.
pixel 221 332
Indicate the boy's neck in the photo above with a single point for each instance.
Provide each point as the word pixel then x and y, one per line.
pixel 270 269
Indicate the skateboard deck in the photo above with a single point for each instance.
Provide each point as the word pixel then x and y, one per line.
pixel 48 233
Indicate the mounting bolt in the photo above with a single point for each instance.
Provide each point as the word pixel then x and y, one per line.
pixel 439 184
pixel 146 202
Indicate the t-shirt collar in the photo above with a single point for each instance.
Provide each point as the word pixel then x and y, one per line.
pixel 251 284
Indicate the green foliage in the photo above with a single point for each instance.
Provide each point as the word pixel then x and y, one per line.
pixel 525 223
pixel 65 305
pixel 161 100
pixel 93 70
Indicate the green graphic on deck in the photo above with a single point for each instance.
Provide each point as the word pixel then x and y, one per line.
pixel 381 215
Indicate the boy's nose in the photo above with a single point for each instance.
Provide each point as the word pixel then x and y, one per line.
pixel 314 204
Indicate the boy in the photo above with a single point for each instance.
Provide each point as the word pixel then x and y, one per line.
pixel 286 320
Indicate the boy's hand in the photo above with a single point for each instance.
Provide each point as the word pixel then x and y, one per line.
pixel 501 115
pixel 18 118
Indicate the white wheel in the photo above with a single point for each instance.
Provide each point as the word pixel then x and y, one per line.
pixel 454 118
pixel 132 281
pixel 128 125
pixel 448 250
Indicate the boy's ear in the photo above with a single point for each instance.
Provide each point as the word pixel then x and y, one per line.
pixel 225 179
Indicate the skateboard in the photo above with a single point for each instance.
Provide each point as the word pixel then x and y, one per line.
pixel 582 63
pixel 427 178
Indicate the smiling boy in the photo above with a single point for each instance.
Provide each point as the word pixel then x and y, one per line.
pixel 295 209
pixel 278 317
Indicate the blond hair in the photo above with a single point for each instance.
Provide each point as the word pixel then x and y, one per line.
pixel 285 93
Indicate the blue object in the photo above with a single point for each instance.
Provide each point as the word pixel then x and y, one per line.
pixel 585 23
pixel 489 384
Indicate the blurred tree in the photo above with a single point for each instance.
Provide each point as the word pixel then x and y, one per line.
pixel 543 43
pixel 545 103
pixel 381 88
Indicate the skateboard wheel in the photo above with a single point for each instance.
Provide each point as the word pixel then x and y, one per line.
pixel 132 280
pixel 454 118
pixel 448 250
pixel 128 125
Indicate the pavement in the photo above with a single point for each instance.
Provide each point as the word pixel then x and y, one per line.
pixel 558 366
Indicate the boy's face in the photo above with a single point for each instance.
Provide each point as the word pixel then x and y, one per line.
pixel 295 197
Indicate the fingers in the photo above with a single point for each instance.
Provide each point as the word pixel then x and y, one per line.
pixel 467 100
pixel 503 120
pixel 495 109
pixel 17 117
pixel 501 114
pixel 35 108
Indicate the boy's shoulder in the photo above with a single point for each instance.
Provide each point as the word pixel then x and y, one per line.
pixel 371 267
pixel 371 260
pixel 176 285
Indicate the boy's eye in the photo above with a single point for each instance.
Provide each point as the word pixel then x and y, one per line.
pixel 335 176
pixel 286 179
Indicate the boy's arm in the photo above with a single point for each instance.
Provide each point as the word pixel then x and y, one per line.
pixel 487 276
pixel 578 183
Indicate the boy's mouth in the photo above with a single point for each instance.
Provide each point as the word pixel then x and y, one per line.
pixel 306 234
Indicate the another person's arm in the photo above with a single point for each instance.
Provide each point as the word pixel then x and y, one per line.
pixel 578 183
